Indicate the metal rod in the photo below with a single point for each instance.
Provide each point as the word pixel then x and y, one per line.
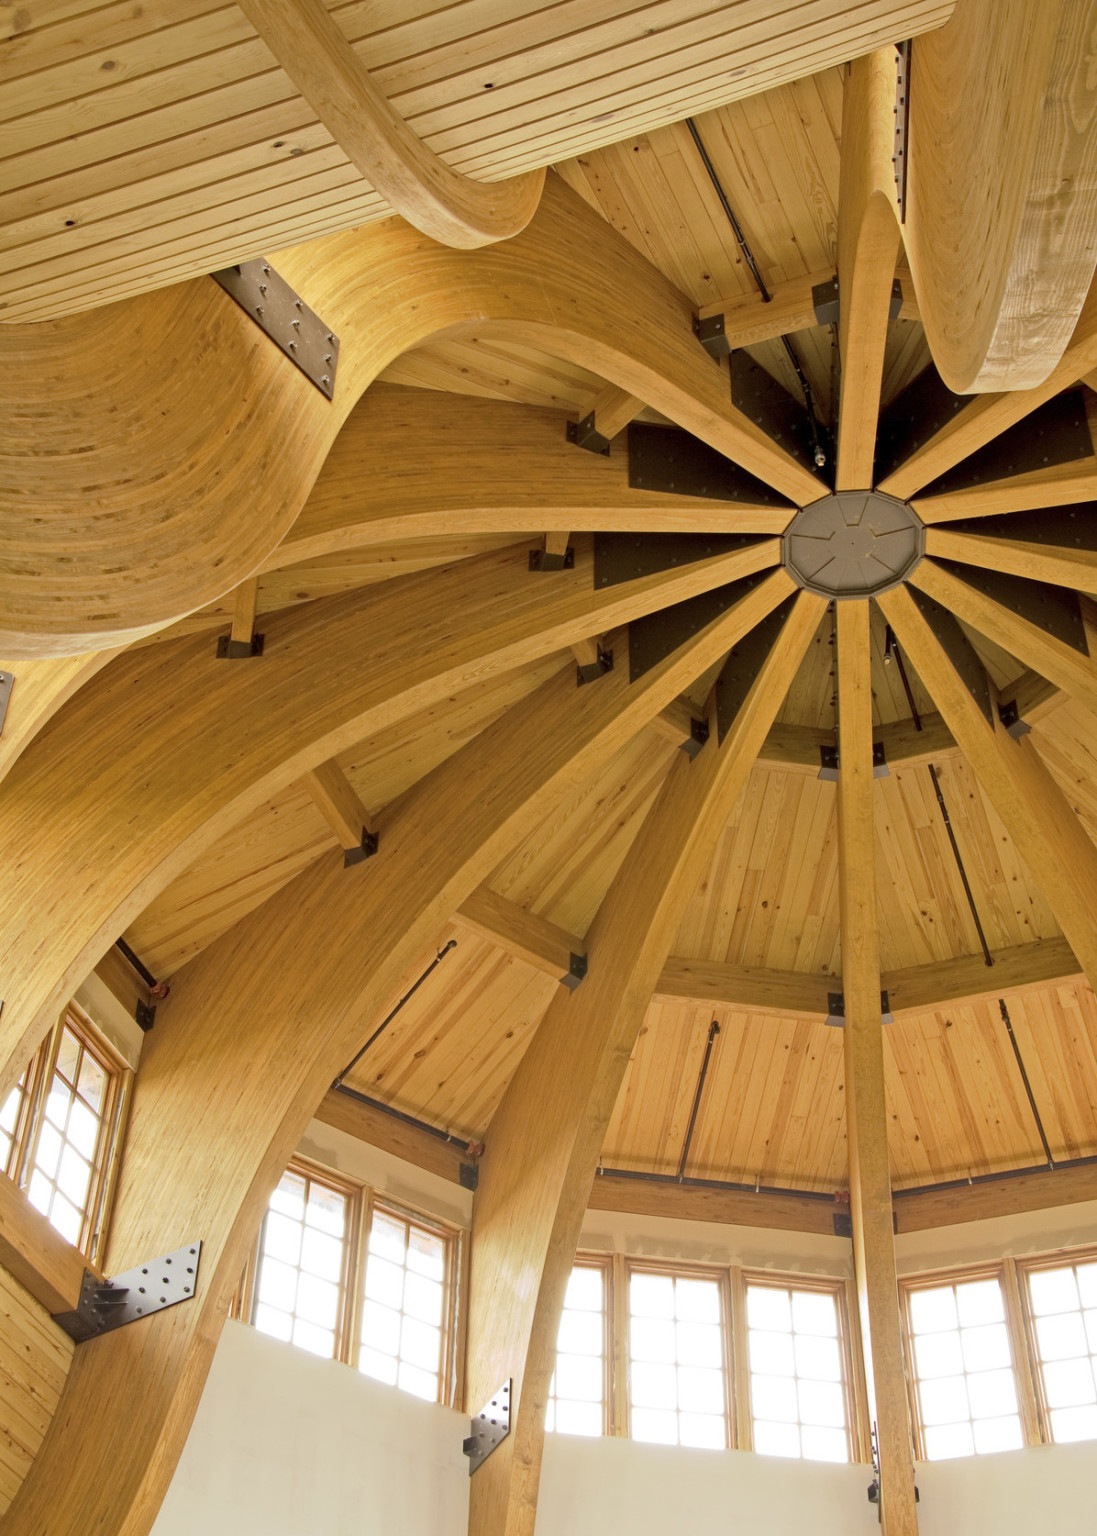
pixel 748 257
pixel 713 1031
pixel 385 1022
pixel 891 648
pixel 1008 1022
pixel 158 987
pixel 398 1114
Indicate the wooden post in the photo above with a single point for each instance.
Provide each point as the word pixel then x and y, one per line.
pixel 866 1115
pixel 545 1139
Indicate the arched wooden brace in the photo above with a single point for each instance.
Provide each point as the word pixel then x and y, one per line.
pixel 170 746
pixel 173 445
pixel 545 1138
pixel 42 685
pixel 455 209
pixel 251 1037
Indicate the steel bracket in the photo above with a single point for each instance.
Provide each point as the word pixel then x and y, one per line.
pixel 1056 610
pixel 7 683
pixel 652 638
pixel 1010 716
pixel 239 650
pixel 826 300
pixel 744 662
pixel 585 434
pixel 544 560
pixel 577 970
pixel 779 415
pixel 286 319
pixel 666 459
pixel 830 760
pixel 957 647
pixel 365 850
pixel 843 1224
pixel 836 1009
pixel 590 672
pixel 698 735
pixel 145 1014
pixel 489 1428
pixel 902 124
pixel 108 1304
pixel 1057 432
pixel 468 1176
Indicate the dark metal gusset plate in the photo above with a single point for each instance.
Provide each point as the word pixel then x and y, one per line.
pixel 666 459
pixel 1057 432
pixel 622 557
pixel 1071 527
pixel 287 319
pixel 136 1293
pixel 489 1428
pixel 959 649
pixel 912 418
pixel 744 663
pixel 780 415
pixel 652 638
pixel 7 683
pixel 1055 610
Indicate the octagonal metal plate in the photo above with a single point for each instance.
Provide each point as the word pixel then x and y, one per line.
pixel 853 544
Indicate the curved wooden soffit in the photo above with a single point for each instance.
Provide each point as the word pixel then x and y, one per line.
pixel 1001 221
pixel 449 207
pixel 173 445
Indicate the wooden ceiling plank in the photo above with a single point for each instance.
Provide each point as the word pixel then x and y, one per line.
pixel 1016 782
pixel 326 953
pixel 451 208
pixel 1074 568
pixel 1071 670
pixel 187 419
pixel 999 125
pixel 545 1139
pixel 361 662
pixel 866 1112
pixel 868 247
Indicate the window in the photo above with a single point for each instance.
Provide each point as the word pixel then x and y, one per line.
pixel 352 1279
pixel 59 1128
pixel 677 1358
pixel 961 1360
pixel 578 1401
pixel 799 1398
pixel 1062 1308
pixel 404 1313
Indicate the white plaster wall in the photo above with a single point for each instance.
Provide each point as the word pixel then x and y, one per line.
pixel 1047 1490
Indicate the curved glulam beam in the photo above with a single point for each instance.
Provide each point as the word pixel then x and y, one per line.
pixel 413 463
pixel 173 445
pixel 41 686
pixel 170 746
pixel 868 246
pixel 254 1032
pixel 449 207
pixel 1015 780
pixel 545 1138
pixel 1001 218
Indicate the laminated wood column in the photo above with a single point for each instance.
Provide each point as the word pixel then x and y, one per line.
pixel 254 1032
pixel 545 1139
pixel 866 1113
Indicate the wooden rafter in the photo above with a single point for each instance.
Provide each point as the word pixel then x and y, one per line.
pixel 1039 561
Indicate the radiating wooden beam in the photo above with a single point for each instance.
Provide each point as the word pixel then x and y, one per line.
pixel 868 245
pixel 1067 668
pixel 1001 217
pixel 544 1140
pixel 866 1106
pixel 449 207
pixel 334 671
pixel 1015 780
pixel 231 436
pixel 302 980
pixel 1074 567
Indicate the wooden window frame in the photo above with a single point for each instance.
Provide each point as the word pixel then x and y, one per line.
pixel 606 1264
pixel 1001 1270
pixel 721 1273
pixel 781 1280
pixel 1061 1258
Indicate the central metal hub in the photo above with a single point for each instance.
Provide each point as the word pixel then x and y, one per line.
pixel 853 544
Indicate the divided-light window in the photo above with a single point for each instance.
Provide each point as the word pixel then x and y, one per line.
pixel 961 1359
pixel 678 1357
pixel 59 1128
pixel 356 1280
pixel 578 1402
pixel 1062 1314
pixel 799 1397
